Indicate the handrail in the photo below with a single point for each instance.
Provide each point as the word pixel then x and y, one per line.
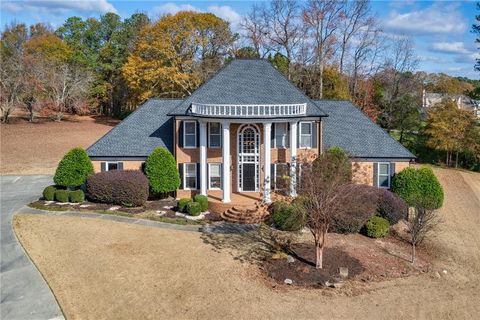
pixel 249 110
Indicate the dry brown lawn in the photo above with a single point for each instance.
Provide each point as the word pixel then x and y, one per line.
pixel 36 148
pixel 107 270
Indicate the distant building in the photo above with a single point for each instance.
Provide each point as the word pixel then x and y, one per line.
pixel 429 99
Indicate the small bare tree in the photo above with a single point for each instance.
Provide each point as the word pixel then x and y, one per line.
pixel 420 225
pixel 327 191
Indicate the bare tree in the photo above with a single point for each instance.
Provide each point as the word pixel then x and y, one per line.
pixel 420 225
pixel 327 191
pixel 256 30
pixel 321 18
pixel 352 19
pixel 11 86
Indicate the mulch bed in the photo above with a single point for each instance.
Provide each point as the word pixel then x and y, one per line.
pixel 303 272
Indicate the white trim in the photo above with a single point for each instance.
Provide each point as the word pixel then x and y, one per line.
pixel 210 175
pixel 383 175
pixel 293 158
pixel 185 176
pixel 249 110
pixel 226 181
pixel 184 134
pixel 210 135
pixel 267 160
pixel 108 162
pixel 306 135
pixel 256 155
pixel 203 158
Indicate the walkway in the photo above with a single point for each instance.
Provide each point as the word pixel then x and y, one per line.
pixel 24 293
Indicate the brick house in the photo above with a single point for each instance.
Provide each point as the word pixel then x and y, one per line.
pixel 242 130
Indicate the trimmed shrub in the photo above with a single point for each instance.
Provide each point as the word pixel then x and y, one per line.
pixel 49 193
pixel 353 216
pixel 127 188
pixel 419 188
pixel 203 200
pixel 77 196
pixel 182 204
pixel 377 227
pixel 62 195
pixel 288 217
pixel 162 172
pixel 73 169
pixel 194 208
pixel 391 207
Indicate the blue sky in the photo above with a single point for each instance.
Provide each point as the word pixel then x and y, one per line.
pixel 440 29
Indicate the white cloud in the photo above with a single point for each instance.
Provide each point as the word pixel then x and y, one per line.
pixel 172 8
pixel 456 47
pixel 226 13
pixel 59 6
pixel 435 19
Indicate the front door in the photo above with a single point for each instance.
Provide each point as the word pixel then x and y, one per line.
pixel 248 177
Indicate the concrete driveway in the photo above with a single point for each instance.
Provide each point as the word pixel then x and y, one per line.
pixel 24 293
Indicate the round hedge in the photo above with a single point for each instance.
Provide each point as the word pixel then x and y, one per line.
pixel 77 196
pixel 182 204
pixel 203 200
pixel 377 227
pixel 162 172
pixel 419 188
pixel 287 217
pixel 127 188
pixel 73 169
pixel 49 193
pixel 62 195
pixel 194 208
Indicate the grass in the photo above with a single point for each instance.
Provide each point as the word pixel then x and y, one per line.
pixel 149 215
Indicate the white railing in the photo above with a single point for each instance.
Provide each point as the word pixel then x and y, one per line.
pixel 249 110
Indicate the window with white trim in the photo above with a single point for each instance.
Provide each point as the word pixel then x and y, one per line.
pixel 190 134
pixel 110 166
pixel 280 135
pixel 306 134
pixel 214 175
pixel 214 135
pixel 190 176
pixel 383 175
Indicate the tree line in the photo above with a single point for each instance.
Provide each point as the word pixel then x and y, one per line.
pixel 330 49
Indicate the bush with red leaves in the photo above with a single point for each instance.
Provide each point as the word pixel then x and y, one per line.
pixel 391 206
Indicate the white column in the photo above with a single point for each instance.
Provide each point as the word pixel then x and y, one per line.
pixel 203 158
pixel 226 183
pixel 293 158
pixel 267 160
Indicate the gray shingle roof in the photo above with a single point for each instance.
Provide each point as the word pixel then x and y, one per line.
pixel 141 132
pixel 349 128
pixel 247 81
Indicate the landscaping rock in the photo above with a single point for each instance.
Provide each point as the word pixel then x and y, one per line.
pixel 290 259
pixel 47 203
pixel 437 275
pixel 343 272
pixel 168 207
pixel 160 213
pixel 288 281
pixel 114 208
pixel 85 205
pixel 445 271
pixel 186 216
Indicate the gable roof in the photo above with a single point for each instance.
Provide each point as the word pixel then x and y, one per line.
pixel 146 128
pixel 349 128
pixel 248 81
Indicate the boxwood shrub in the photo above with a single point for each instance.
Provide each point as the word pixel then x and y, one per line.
pixel 73 169
pixel 77 196
pixel 287 216
pixel 391 206
pixel 49 193
pixel 162 171
pixel 194 208
pixel 127 188
pixel 377 227
pixel 203 200
pixel 182 204
pixel 62 195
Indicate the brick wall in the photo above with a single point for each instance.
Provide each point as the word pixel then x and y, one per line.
pixel 363 171
pixel 127 165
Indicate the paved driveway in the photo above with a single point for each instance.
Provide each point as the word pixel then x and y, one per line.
pixel 24 293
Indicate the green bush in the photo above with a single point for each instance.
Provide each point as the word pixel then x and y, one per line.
pixel 73 169
pixel 77 196
pixel 161 171
pixel 288 217
pixel 62 195
pixel 182 204
pixel 377 227
pixel 203 200
pixel 419 188
pixel 49 193
pixel 194 208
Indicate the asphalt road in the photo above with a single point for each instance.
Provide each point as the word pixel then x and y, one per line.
pixel 24 293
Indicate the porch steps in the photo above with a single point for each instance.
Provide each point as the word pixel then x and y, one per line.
pixel 246 214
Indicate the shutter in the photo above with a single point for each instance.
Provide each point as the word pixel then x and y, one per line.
pixel 221 135
pixel 392 172
pixel 314 134
pixel 180 171
pixel 180 135
pixel 208 176
pixel 272 137
pixel 103 167
pixel 208 135
pixel 375 174
pixel 198 176
pixel 272 176
pixel 197 134
pixel 287 138
pixel 299 131
pixel 120 166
